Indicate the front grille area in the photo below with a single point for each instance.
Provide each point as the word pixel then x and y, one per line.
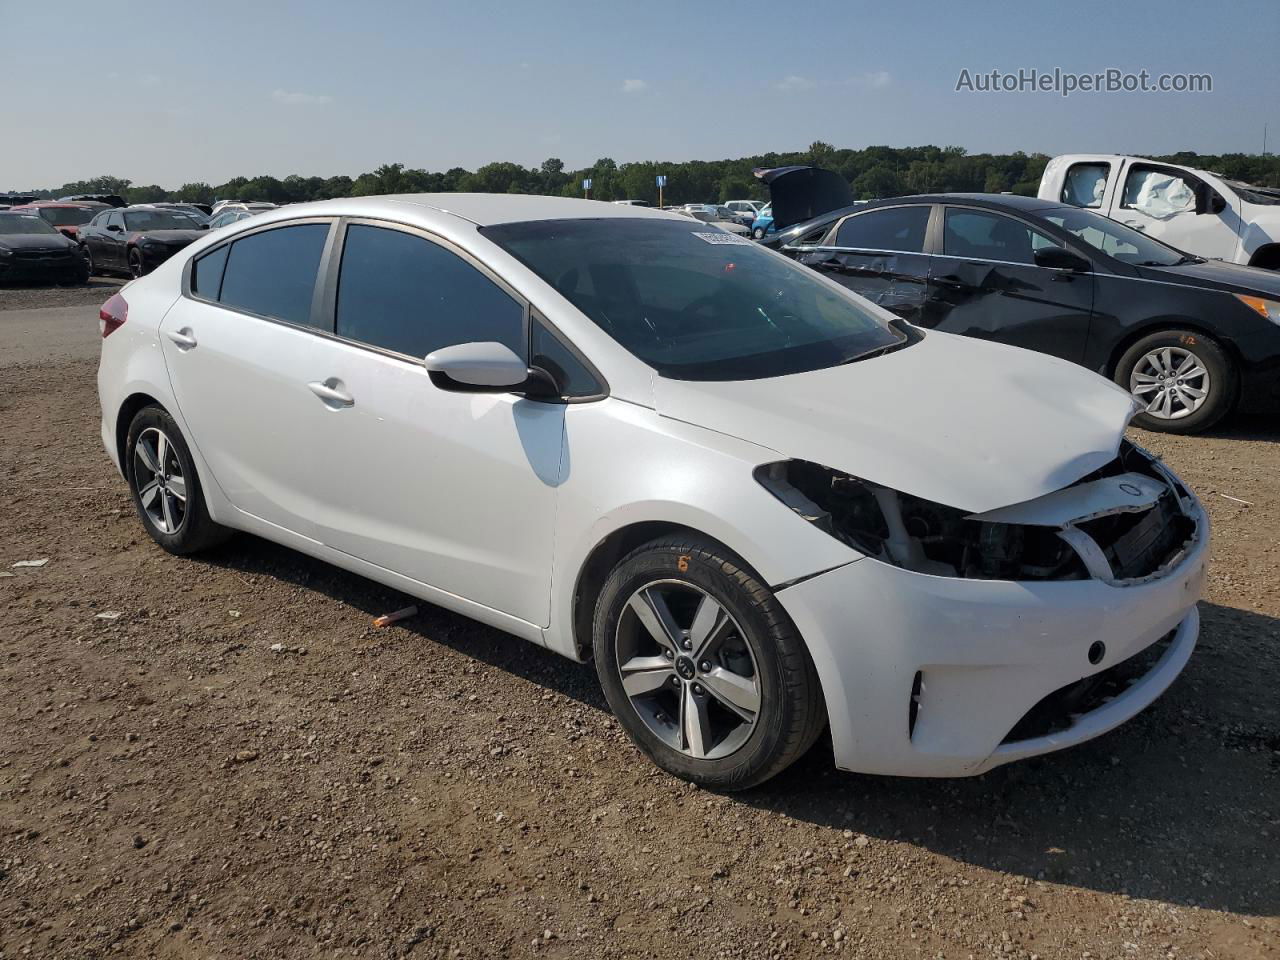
pixel 1139 544
pixel 41 256
pixel 1060 710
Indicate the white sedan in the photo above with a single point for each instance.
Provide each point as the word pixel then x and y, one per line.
pixel 762 504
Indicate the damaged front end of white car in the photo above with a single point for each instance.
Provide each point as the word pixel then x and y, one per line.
pixel 1122 524
pixel 997 635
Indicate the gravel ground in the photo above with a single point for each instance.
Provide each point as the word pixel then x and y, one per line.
pixel 97 290
pixel 220 757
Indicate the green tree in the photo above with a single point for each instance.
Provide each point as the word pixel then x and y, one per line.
pixel 149 194
pixel 194 192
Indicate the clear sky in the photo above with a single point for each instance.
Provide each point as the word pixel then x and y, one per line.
pixel 174 92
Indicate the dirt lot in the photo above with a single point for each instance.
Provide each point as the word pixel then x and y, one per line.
pixel 221 758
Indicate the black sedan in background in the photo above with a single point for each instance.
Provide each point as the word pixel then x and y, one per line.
pixel 1191 339
pixel 32 250
pixel 136 240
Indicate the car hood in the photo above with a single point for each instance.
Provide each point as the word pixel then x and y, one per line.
pixel 963 422
pixel 168 236
pixel 35 241
pixel 1234 277
pixel 798 194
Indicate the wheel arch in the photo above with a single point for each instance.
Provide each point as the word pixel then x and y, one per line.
pixel 129 408
pixel 1266 256
pixel 1161 325
pixel 599 563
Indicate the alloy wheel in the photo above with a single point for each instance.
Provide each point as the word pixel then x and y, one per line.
pixel 688 669
pixel 135 264
pixel 1172 381
pixel 157 473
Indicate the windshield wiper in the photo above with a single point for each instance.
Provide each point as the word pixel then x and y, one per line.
pixel 876 352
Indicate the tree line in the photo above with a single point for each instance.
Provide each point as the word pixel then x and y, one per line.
pixel 873 172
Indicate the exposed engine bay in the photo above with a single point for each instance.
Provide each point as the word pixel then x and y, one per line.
pixel 1125 522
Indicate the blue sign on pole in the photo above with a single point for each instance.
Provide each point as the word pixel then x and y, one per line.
pixel 586 184
pixel 662 180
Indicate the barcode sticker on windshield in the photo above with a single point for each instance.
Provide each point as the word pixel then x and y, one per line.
pixel 721 236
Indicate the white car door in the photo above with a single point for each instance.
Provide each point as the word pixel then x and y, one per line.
pixel 241 352
pixel 454 490
pixel 1161 203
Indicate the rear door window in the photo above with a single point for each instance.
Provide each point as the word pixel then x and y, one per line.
pixel 273 273
pixel 404 293
pixel 896 229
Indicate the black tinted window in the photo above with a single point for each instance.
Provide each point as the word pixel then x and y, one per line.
pixel 898 228
pixel 989 236
pixel 273 273
pixel 206 273
pixel 403 293
pixel 548 352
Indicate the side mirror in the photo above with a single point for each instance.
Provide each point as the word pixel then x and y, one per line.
pixel 114 227
pixel 1059 258
pixel 486 367
pixel 1208 200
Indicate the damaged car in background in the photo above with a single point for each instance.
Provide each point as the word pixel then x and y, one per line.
pixel 763 505
pixel 1196 341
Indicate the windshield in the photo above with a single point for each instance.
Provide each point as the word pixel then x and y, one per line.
pixel 697 303
pixel 1267 196
pixel 158 220
pixel 1115 239
pixel 11 223
pixel 68 216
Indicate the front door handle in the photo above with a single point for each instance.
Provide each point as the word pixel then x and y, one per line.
pixel 184 338
pixel 1135 224
pixel 331 392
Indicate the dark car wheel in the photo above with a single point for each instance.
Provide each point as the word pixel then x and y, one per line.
pixel 136 267
pixel 166 490
pixel 88 259
pixel 1186 380
pixel 702 666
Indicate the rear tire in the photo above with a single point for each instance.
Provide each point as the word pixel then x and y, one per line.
pixel 166 489
pixel 1187 381
pixel 726 715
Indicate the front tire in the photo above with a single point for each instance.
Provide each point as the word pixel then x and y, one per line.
pixel 1185 379
pixel 758 233
pixel 136 267
pixel 702 666
pixel 166 489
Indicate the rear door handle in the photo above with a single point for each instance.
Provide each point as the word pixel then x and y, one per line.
pixel 331 392
pixel 184 338
pixel 1135 224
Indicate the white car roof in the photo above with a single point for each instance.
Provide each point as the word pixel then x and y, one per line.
pixel 487 209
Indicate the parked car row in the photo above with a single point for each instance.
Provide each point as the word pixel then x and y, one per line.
pixel 107 237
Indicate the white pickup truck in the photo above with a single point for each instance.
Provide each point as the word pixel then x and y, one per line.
pixel 1193 210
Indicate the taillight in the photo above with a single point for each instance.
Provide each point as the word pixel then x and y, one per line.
pixel 112 315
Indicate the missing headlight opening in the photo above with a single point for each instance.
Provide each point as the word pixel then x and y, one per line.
pixel 933 538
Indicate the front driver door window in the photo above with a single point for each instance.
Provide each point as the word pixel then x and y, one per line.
pixel 456 490
pixel 1161 202
pixel 986 284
